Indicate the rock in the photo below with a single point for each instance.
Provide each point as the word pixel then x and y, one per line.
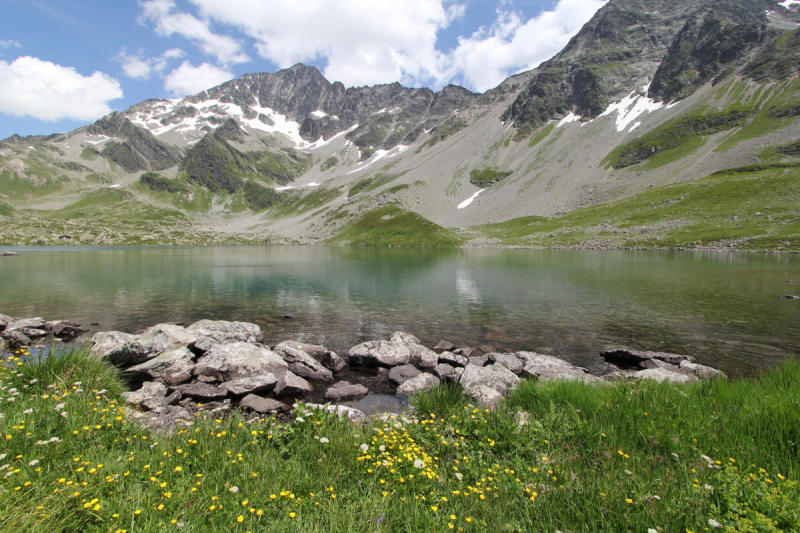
pixel 661 375
pixel 418 352
pixel 151 392
pixel 399 374
pixel 486 396
pixel 168 337
pixel 215 407
pixel 202 391
pixel 172 368
pixel 444 346
pixel 226 332
pixel 4 321
pixel 700 371
pixel 34 323
pixel 333 362
pixel 453 359
pixel 9 253
pixel 202 345
pixel 479 360
pixel 132 353
pixel 419 383
pixel 68 329
pixel 622 355
pixel 447 373
pixel 401 337
pixel 227 362
pixel 174 398
pixel 494 376
pixel 292 385
pixel 790 297
pixel 379 353
pixel 466 352
pixel 486 348
pixel 508 360
pixel 2 346
pixel 547 367
pixel 16 338
pixel 303 364
pixel 314 350
pixel 251 384
pixel 104 342
pixel 428 358
pixel 31 333
pixel 263 405
pixel 344 389
pixel 353 414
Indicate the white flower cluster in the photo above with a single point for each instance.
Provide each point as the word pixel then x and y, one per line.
pixel 419 463
pixel 323 440
pixel 46 442
pixel 364 448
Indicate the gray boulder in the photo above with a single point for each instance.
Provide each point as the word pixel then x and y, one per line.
pixel 547 367
pixel 4 321
pixel 479 360
pixel 379 353
pixel 132 353
pixel 167 337
pixel 447 373
pixel 104 342
pixel 151 394
pixel 303 364
pixel 227 362
pixel 401 337
pixel 31 333
pixel 622 355
pixel 700 371
pixel 508 360
pixel 34 323
pixel 16 337
pixel 202 391
pixel 486 396
pixel 453 359
pixel 660 375
pixel 263 405
pixel 251 384
pixel 494 376
pixel 444 346
pixel 223 331
pixel 344 389
pixel 420 383
pixel 400 374
pixel 292 385
pixel 332 362
pixel 172 368
pixel 314 350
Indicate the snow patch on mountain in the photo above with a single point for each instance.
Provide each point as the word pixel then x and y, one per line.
pixel 469 200
pixel 381 154
pixel 572 117
pixel 629 108
pixel 322 142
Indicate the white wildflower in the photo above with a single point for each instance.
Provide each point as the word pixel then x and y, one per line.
pixel 64 414
pixel 459 476
pixel 11 399
pixel 54 439
pixel 34 381
pixel 4 466
pixel 60 406
pixel 300 419
pixel 27 411
pixel 306 412
pixel 3 456
pixel 713 523
pixel 9 473
pixel 34 462
pixel 382 448
pixel 12 391
pixel 323 440
pixel 234 489
pixel 419 463
pixel 364 448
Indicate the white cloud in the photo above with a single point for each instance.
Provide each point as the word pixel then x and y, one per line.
pixel 9 44
pixel 46 91
pixel 367 42
pixel 510 45
pixel 139 67
pixel 190 79
pixel 226 49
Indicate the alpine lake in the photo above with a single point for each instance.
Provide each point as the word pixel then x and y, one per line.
pixel 723 308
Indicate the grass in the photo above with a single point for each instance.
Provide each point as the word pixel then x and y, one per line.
pixel 555 456
pixel 391 226
pixel 750 208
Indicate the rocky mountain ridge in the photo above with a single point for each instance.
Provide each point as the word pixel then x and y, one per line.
pixel 649 93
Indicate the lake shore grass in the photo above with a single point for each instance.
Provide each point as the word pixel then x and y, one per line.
pixel 556 456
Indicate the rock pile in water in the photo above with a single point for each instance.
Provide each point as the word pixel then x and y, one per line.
pixel 21 332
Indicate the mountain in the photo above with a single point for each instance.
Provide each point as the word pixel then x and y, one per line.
pixel 661 124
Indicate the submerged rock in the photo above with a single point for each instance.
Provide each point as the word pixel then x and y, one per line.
pixel 400 374
pixel 344 390
pixel 444 346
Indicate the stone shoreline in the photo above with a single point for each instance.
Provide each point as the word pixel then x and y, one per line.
pixel 176 372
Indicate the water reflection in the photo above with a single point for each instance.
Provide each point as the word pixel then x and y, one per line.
pixel 722 308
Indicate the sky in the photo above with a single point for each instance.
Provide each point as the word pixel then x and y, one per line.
pixel 66 63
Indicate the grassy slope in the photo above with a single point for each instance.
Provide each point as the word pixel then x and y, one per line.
pixel 391 226
pixel 556 456
pixel 765 204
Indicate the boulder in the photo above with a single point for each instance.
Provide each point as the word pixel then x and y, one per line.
pixel 485 395
pixel 303 364
pixel 494 376
pixel 104 342
pixel 508 360
pixel 263 405
pixel 227 362
pixel 132 353
pixel 447 373
pixel 226 332
pixel 16 338
pixel 343 390
pixel 202 391
pixel 479 360
pixel 4 321
pixel 314 350
pixel 621 355
pixel 202 345
pixel 419 383
pixel 332 362
pixel 399 374
pixel 151 393
pixel 354 415
pixel 427 358
pixel 401 337
pixel 34 323
pixel 700 371
pixel 251 384
pixel 292 385
pixel 68 329
pixel 547 367
pixel 172 368
pixel 453 359
pixel 31 333
pixel 445 346
pixel 379 353
pixel 660 375
pixel 466 352
pixel 167 337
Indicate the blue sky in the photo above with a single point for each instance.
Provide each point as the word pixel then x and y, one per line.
pixel 65 63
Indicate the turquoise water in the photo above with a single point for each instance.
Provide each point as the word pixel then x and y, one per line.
pixel 722 308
